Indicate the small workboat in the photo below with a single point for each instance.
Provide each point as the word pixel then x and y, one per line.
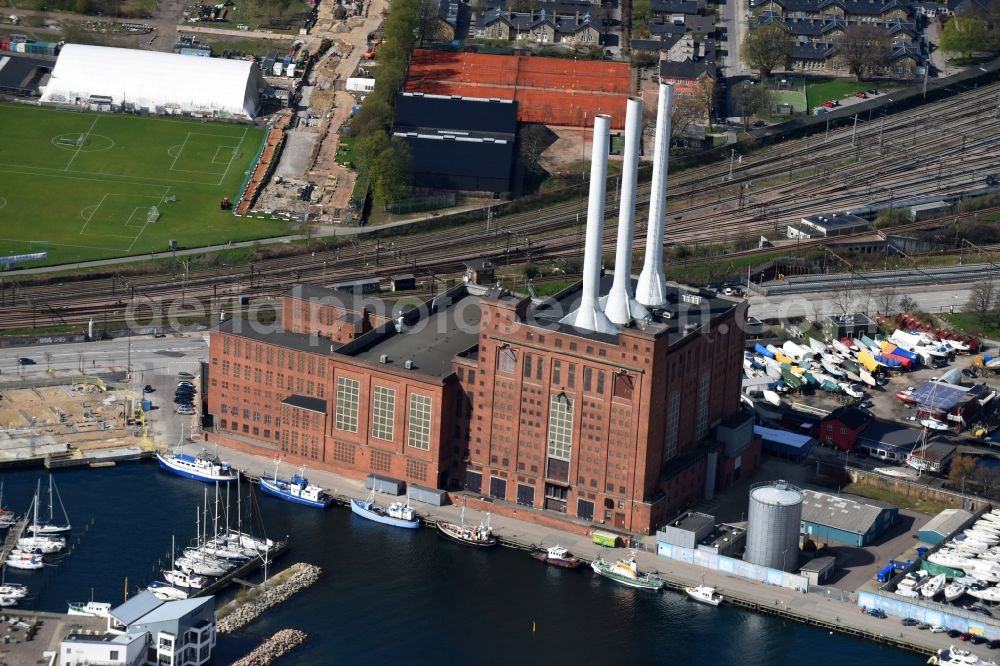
pixel 396 514
pixel 480 536
pixel 202 467
pixel 91 608
pixel 166 592
pixel 626 572
pixel 704 594
pixel 297 489
pixel 556 556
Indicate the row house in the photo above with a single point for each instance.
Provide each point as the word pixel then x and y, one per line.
pixel 866 11
pixel 828 31
pixel 540 27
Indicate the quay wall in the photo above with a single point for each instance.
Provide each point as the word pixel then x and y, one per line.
pixel 733 567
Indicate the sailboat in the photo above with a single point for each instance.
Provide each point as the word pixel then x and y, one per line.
pixel 297 489
pixel 480 536
pixel 11 590
pixel 18 559
pixel 40 543
pixel 166 592
pixel 397 514
pixel 7 517
pixel 180 578
pixel 196 562
pixel 50 526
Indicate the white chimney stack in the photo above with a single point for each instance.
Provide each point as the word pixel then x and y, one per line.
pixel 589 315
pixel 651 289
pixel 620 306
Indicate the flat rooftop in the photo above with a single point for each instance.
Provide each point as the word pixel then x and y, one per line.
pixel 690 308
pixel 274 335
pixel 431 342
pixel 836 221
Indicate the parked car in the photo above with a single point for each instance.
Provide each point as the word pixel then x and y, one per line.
pixel 828 104
pixel 993 645
pixel 184 375
pixel 923 625
pixel 873 91
pixel 148 389
pixel 24 360
pixel 861 95
pixel 977 640
pixel 965 636
pixel 909 622
pixel 954 633
pixel 938 629
pixel 185 383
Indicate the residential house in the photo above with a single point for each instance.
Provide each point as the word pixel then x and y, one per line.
pixel 542 27
pixel 452 21
pixel 841 428
pixel 968 7
pixel 670 8
pixel 866 11
pixel 687 75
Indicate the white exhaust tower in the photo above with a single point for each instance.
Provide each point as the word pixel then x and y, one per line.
pixel 651 290
pixel 620 305
pixel 589 315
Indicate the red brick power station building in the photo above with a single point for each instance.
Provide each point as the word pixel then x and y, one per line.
pixel 546 407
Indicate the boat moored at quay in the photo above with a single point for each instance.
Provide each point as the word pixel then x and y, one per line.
pixel 201 467
pixel 626 572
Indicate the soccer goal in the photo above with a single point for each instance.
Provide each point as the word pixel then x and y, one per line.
pixel 153 215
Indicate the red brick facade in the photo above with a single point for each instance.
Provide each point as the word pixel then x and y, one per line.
pixel 584 426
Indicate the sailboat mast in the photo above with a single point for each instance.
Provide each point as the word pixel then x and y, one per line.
pixel 38 490
pixel 51 509
pixel 205 522
pixel 239 508
pixel 215 525
pixel 227 508
pixel 197 527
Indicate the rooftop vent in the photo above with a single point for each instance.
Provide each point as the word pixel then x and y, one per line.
pixel 384 358
pixel 408 365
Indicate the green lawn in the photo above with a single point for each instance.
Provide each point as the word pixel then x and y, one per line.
pixel 81 186
pixel 968 322
pixel 820 90
pixel 926 506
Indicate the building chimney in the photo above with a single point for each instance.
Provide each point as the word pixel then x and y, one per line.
pixel 620 305
pixel 651 289
pixel 589 315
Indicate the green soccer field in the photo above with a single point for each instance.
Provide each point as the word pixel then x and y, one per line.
pixel 84 186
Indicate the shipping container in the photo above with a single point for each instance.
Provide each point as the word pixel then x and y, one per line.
pixel 426 495
pixel 385 484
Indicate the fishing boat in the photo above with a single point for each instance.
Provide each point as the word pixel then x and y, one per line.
pixel 166 592
pixel 480 536
pixel 626 572
pixel 297 490
pixel 26 561
pixel 91 608
pixel 41 526
pixel 396 514
pixel 704 594
pixel 202 467
pixel 556 556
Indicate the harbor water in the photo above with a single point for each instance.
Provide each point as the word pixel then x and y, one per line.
pixel 409 596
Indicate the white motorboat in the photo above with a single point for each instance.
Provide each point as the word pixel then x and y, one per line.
pixel 988 538
pixel 991 594
pixel 954 656
pixel 908 586
pixel 986 571
pixel 933 424
pixel 948 558
pixel 12 590
pixel 6 602
pixel 180 578
pixel 933 587
pixel 953 591
pixel 987 526
pixel 91 608
pixel 704 594
pixel 45 545
pixel 166 592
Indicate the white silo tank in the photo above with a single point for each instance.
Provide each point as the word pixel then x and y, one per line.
pixel 773 524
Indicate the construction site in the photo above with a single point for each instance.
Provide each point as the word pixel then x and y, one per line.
pixel 70 424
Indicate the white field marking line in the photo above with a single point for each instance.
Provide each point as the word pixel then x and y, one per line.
pixel 146 224
pixel 109 178
pixel 128 221
pixel 80 144
pixel 215 158
pixel 218 146
pixel 92 215
pixel 180 152
pixel 51 244
pixel 232 157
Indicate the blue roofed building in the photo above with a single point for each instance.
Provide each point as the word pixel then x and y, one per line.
pixel 148 630
pixel 783 443
pixel 853 521
pixel 888 440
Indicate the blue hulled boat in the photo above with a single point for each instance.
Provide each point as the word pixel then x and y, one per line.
pixel 202 467
pixel 297 490
pixel 397 514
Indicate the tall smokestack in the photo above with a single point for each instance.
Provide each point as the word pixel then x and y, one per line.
pixel 651 289
pixel 589 315
pixel 620 305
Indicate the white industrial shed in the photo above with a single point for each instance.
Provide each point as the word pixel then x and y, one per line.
pixel 157 82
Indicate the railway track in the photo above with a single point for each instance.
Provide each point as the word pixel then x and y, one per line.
pixel 895 157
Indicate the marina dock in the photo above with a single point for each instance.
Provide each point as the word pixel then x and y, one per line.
pixel 239 574
pixel 14 533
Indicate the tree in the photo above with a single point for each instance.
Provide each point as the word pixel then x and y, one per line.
pixel 886 301
pixel 524 5
pixel 767 49
pixel 907 304
pixel 684 112
pixel 705 94
pixel 532 142
pixel 864 49
pixel 983 301
pixel 429 23
pixel 965 36
pixel 962 468
pixel 751 99
pixel 374 115
pixel 390 171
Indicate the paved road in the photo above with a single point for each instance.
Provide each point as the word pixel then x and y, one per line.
pixel 929 298
pixel 734 18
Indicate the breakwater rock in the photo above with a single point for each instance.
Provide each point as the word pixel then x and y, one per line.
pixel 276 646
pixel 297 577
